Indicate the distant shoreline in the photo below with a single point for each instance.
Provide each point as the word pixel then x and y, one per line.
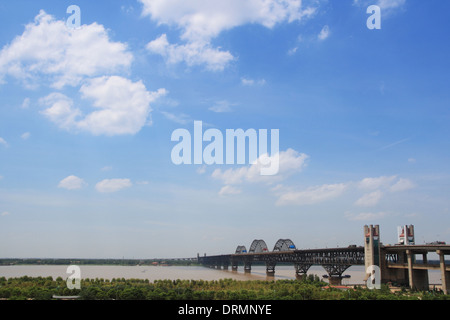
pixel 119 262
pixel 99 262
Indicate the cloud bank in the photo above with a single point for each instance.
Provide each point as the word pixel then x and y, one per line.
pixel 201 21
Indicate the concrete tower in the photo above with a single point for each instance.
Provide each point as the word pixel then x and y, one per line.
pixel 372 245
pixel 406 235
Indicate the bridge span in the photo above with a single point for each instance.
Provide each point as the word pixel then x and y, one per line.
pixel 334 260
pixel 397 263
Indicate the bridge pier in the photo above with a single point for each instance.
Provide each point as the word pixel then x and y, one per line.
pixel 335 273
pixel 247 267
pixel 445 275
pixel 301 269
pixel 335 280
pixel 418 279
pixel 399 265
pixel 395 275
pixel 270 269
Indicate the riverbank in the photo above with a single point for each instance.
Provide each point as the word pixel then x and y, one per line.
pixel 311 288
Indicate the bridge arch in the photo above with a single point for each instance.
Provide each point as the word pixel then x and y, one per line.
pixel 258 246
pixel 241 250
pixel 284 245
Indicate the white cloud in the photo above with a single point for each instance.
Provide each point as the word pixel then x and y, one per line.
pixel 221 106
pixel 290 161
pixel 72 183
pixel 312 195
pixel 402 185
pixel 112 185
pixel 232 176
pixel 3 142
pixel 48 49
pixel 122 107
pixel 26 103
pixel 292 51
pixel 61 110
pixel 201 21
pixel 49 53
pixel 252 82
pixel 193 54
pixel 366 216
pixel 377 186
pixel 5 213
pixel 25 135
pixel 229 190
pixel 201 170
pixel 127 9
pixel 206 19
pixel 369 199
pixel 387 6
pixel 324 33
pixel 178 118
pixel 376 183
pixel 391 183
pixel 390 4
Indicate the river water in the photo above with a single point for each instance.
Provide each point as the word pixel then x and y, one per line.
pixel 153 273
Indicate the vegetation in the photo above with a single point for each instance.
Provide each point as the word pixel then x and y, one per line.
pixel 310 288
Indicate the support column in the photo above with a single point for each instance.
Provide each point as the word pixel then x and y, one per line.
pixel 270 269
pixel 418 278
pixel 424 258
pixel 372 252
pixel 301 270
pixel 410 269
pixel 335 273
pixel 335 280
pixel 372 246
pixel 445 276
pixel 247 267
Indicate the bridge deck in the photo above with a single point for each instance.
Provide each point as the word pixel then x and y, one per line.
pixel 334 260
pixel 425 248
pixel 341 256
pixel 418 266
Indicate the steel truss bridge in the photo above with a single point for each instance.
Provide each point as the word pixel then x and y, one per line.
pixel 334 260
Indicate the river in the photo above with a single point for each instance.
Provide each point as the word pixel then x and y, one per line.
pixel 153 273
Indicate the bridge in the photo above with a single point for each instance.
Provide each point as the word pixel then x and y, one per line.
pixel 397 263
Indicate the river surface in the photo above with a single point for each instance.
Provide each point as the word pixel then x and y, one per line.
pixel 153 273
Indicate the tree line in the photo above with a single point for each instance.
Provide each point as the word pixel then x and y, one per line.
pixel 309 288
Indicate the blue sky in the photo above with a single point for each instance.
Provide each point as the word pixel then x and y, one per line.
pixel 87 114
